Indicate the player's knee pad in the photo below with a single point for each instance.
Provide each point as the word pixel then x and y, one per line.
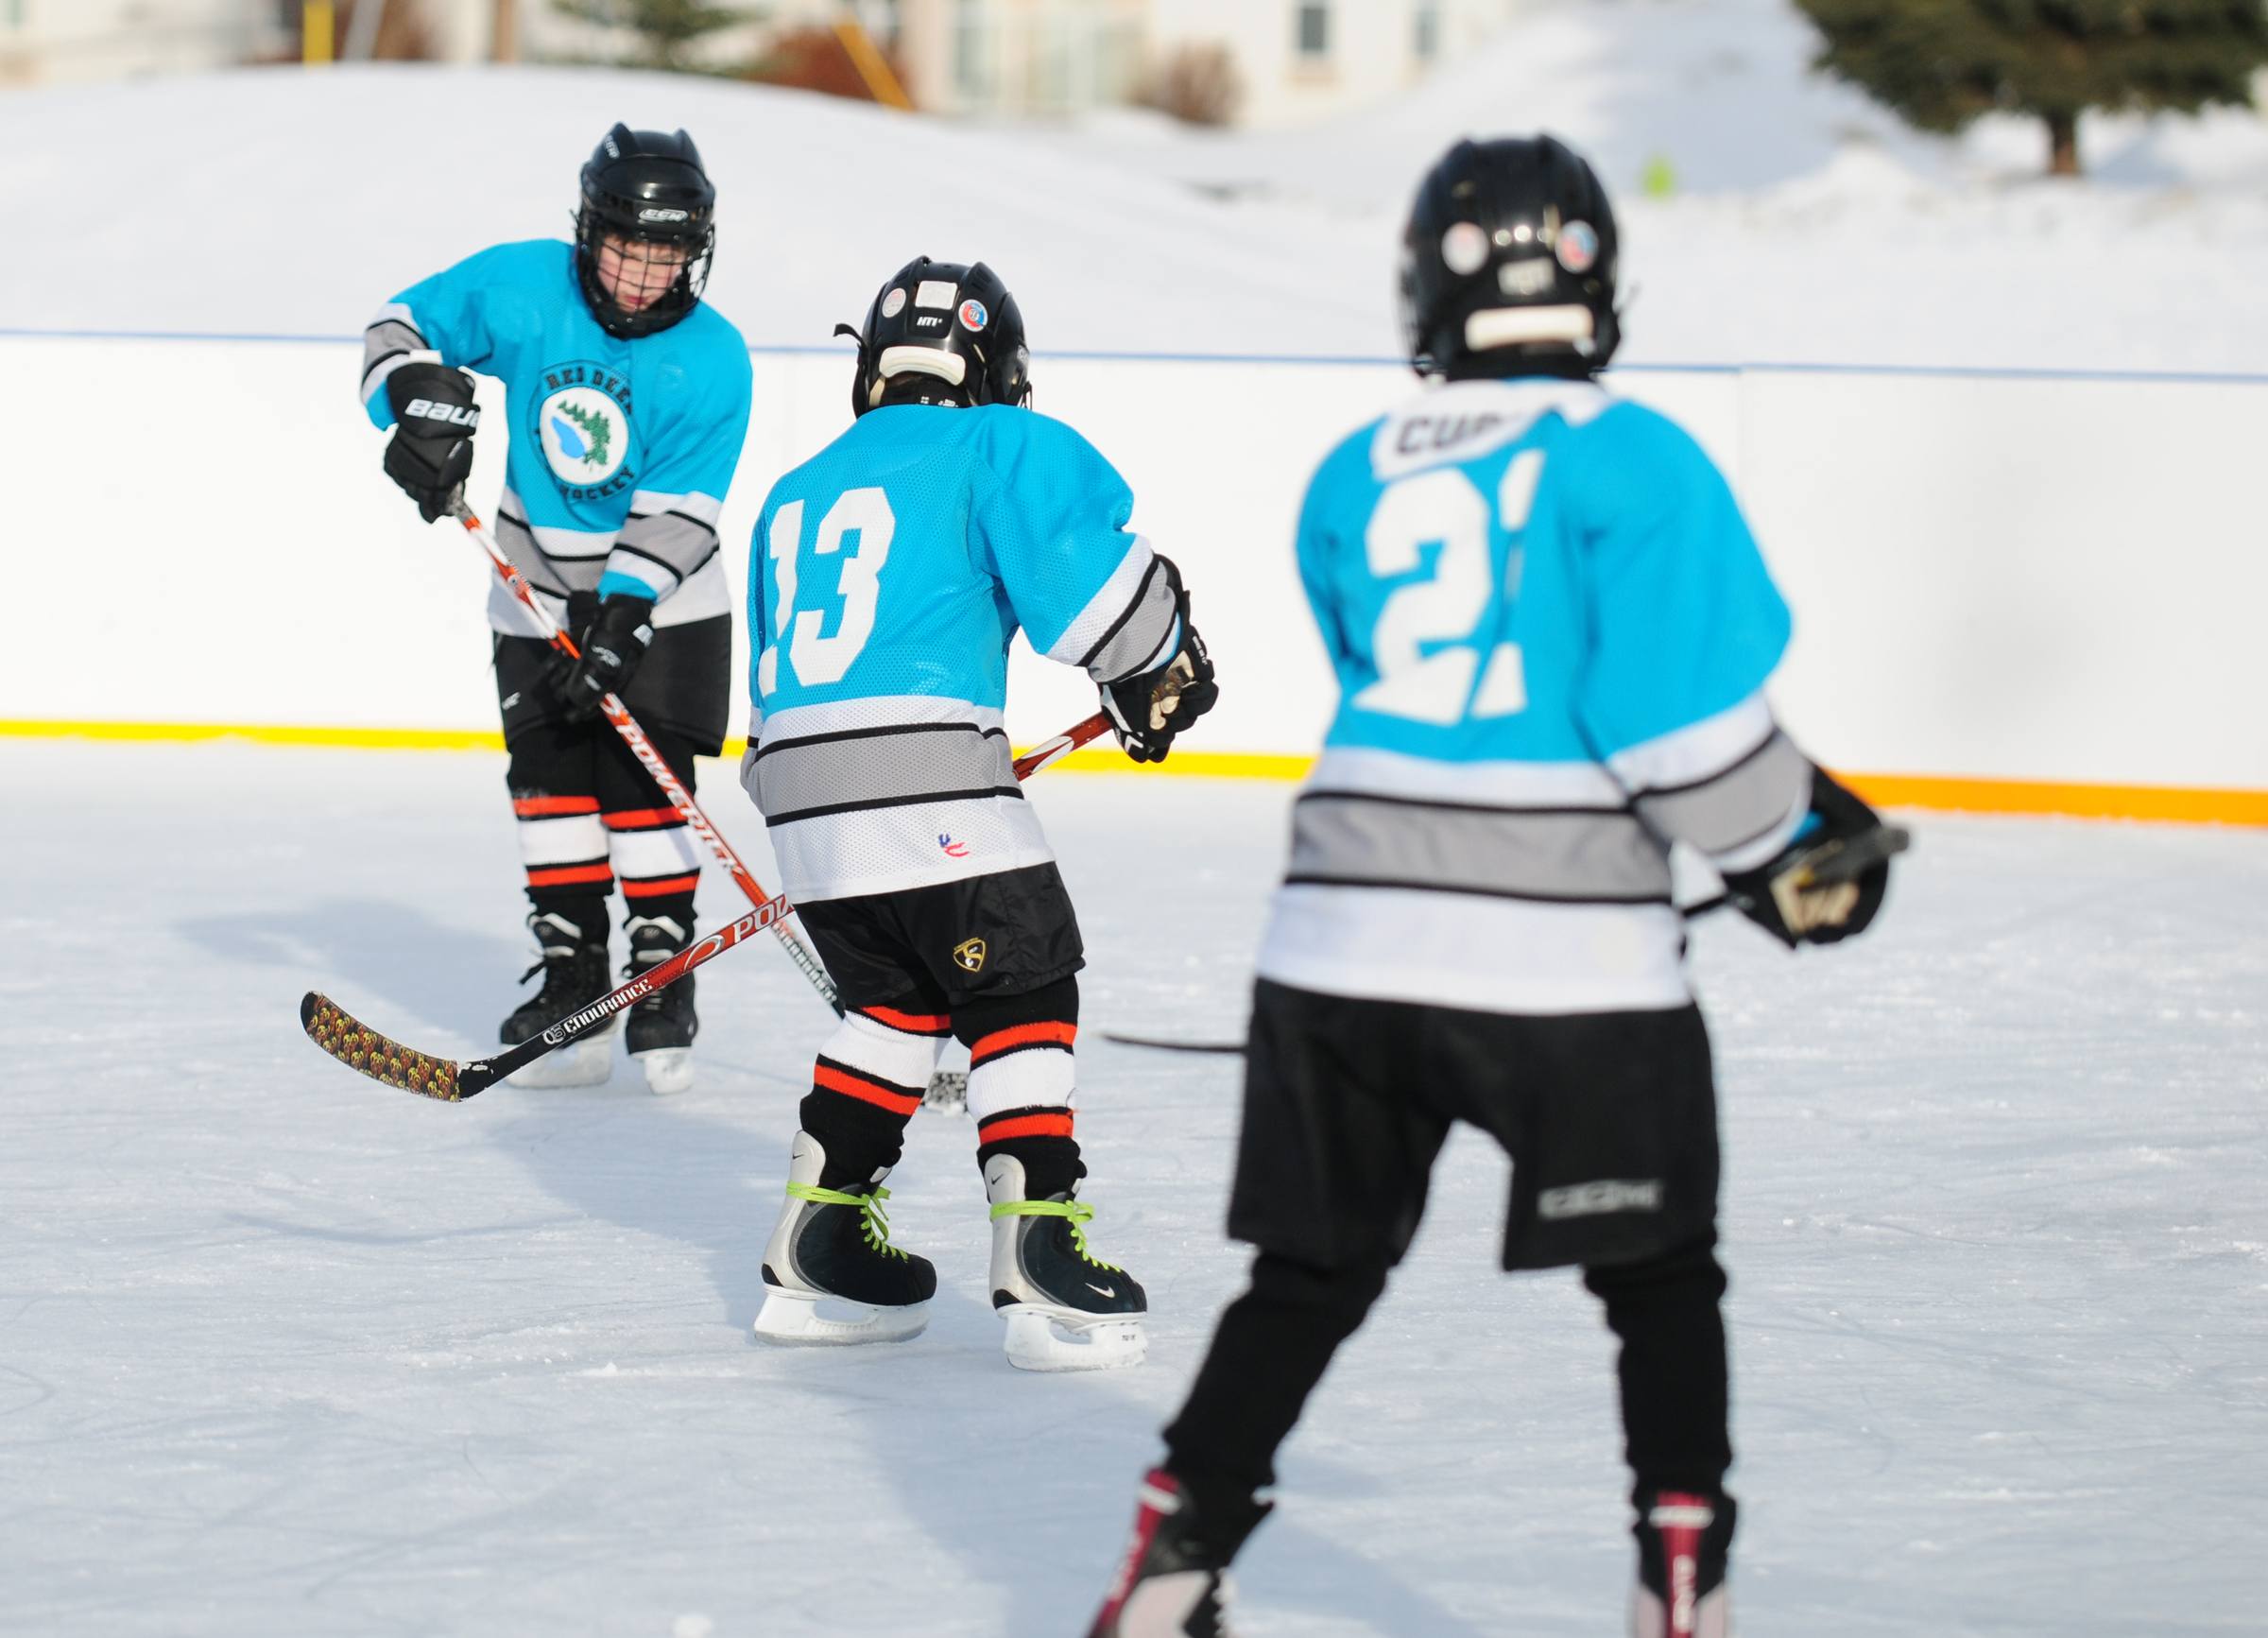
pixel 865 1085
pixel 1020 1057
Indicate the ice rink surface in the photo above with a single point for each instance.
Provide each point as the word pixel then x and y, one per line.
pixel 284 1352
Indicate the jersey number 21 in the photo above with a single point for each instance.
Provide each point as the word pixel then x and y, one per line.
pixel 1445 504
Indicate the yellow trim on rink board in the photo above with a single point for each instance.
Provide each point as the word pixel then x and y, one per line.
pixel 2177 804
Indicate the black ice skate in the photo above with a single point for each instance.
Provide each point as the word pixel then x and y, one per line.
pixel 829 1271
pixel 661 1026
pixel 1066 1309
pixel 1173 1579
pixel 575 975
pixel 1681 1546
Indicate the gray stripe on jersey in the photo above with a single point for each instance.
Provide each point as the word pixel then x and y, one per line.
pixel 1137 636
pixel 1744 801
pixel 385 345
pixel 1579 855
pixel 671 540
pixel 840 771
pixel 558 575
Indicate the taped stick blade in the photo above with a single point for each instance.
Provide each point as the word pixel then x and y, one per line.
pixel 365 1051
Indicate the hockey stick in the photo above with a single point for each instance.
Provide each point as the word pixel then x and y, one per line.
pixel 1842 860
pixel 383 1059
pixel 681 799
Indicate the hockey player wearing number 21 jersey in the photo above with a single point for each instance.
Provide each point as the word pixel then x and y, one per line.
pixel 888 575
pixel 629 400
pixel 1551 632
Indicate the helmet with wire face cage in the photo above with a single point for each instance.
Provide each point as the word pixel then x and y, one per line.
pixel 645 186
pixel 951 330
pixel 1509 262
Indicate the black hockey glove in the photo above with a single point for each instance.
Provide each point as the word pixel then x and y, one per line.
pixel 1151 707
pixel 1830 881
pixel 430 454
pixel 613 637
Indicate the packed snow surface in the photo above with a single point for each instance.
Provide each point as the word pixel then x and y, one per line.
pixel 283 1351
pixel 1769 215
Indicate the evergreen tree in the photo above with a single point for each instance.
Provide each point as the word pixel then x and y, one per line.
pixel 666 29
pixel 1940 63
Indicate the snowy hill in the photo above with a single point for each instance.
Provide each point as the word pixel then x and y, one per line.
pixel 1805 225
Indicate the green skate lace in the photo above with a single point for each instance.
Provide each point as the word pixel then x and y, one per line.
pixel 1079 1211
pixel 870 1221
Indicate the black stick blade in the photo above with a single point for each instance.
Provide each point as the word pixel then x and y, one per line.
pixel 366 1052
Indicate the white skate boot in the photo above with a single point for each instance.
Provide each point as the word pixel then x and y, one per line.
pixel 831 1274
pixel 1066 1309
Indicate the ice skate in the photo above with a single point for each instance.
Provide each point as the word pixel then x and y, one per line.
pixel 1173 1582
pixel 1681 1592
pixel 661 1027
pixel 831 1274
pixel 575 976
pixel 1065 1308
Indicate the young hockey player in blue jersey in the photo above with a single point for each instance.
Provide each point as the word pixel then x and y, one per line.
pixel 629 400
pixel 888 574
pixel 1551 632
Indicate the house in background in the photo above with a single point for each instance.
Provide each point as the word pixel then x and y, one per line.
pixel 1293 59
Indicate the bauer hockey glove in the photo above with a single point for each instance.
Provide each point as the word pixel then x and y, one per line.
pixel 430 454
pixel 1151 707
pixel 613 637
pixel 1826 885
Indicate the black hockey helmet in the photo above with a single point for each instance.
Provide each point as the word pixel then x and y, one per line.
pixel 1508 263
pixel 947 324
pixel 646 185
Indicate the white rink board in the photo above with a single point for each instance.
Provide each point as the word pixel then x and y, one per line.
pixel 1994 576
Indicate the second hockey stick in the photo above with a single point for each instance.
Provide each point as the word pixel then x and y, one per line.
pixel 384 1059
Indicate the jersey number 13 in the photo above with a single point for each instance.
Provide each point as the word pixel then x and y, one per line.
pixel 820 660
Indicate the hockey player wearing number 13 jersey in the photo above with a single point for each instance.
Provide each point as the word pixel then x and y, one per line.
pixel 1551 632
pixel 888 575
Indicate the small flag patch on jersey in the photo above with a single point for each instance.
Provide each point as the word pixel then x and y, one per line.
pixel 952 849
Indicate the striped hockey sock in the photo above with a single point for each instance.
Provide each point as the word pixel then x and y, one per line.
pixel 563 846
pixel 868 1082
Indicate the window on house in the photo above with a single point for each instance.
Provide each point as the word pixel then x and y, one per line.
pixel 1314 28
pixel 1428 41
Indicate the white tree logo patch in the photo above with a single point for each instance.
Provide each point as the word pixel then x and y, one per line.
pixel 586 436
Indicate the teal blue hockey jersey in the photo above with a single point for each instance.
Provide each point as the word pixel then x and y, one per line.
pixel 621 451
pixel 1552 629
pixel 886 578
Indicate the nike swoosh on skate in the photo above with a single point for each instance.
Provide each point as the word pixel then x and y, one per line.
pixel 1101 1290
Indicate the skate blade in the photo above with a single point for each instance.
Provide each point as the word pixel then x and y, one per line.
pixel 797 1318
pixel 1067 1339
pixel 585 1062
pixel 668 1069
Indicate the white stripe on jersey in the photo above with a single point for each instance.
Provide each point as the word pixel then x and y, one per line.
pixel 1484 953
pixel 1492 783
pixel 1086 627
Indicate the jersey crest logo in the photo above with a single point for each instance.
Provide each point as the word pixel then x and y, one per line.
pixel 954 850
pixel 968 954
pixel 583 425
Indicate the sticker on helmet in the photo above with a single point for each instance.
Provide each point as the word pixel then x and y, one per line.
pixel 973 315
pixel 937 293
pixel 1529 276
pixel 1464 247
pixel 894 303
pixel 1578 247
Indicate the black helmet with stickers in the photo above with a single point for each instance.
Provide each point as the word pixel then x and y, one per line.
pixel 952 332
pixel 646 186
pixel 1508 264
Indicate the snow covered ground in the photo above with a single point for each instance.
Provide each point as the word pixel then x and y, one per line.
pixel 1803 224
pixel 284 1352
